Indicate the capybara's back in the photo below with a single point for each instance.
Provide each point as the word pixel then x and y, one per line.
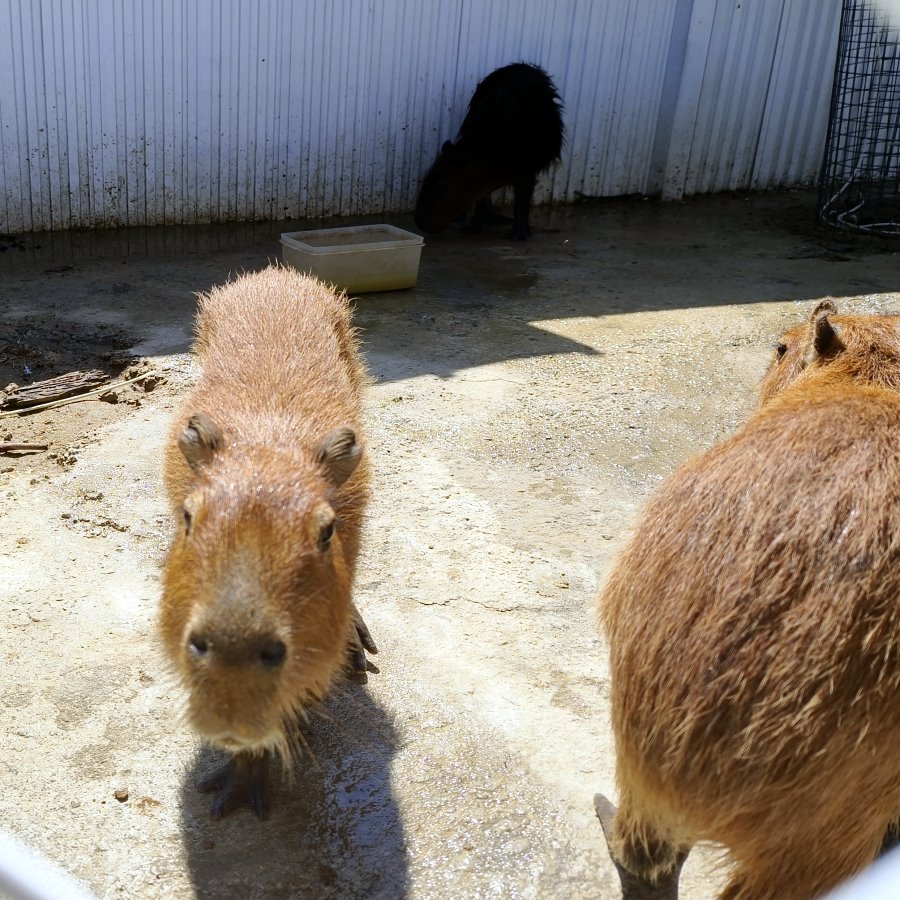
pixel 512 131
pixel 754 632
pixel 267 475
pixel 279 362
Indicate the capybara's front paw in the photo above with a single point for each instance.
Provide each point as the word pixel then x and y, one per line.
pixel 242 781
pixel 361 641
pixel 520 231
pixel 653 870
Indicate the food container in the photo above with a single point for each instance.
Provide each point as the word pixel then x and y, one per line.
pixel 358 258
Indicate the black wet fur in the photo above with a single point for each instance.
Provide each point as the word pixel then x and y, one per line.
pixel 513 130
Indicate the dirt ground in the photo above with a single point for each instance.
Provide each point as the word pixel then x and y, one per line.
pixel 526 401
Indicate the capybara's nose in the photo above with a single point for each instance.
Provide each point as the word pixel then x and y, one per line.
pixel 272 653
pixel 269 652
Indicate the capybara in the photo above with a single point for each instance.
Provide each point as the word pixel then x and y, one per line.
pixel 268 477
pixel 754 632
pixel 512 131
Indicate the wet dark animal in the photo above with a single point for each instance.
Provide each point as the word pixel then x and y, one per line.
pixel 267 474
pixel 512 132
pixel 754 632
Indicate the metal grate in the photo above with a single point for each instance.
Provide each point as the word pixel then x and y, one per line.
pixel 859 187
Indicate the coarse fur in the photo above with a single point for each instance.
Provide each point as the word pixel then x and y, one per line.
pixel 257 589
pixel 513 130
pixel 754 631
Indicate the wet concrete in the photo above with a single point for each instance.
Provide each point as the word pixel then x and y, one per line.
pixel 526 399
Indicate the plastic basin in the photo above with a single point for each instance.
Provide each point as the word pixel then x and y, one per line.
pixel 358 258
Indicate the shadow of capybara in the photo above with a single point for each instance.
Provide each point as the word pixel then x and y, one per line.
pixel 266 472
pixel 754 632
pixel 512 131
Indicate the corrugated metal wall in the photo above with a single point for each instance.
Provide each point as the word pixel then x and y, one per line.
pixel 180 111
pixel 755 92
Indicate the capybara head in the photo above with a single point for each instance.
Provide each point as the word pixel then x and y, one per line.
pixel 457 180
pixel 256 595
pixel 831 348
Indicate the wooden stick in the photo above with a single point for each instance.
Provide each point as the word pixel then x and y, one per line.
pixel 55 388
pixel 88 396
pixel 9 447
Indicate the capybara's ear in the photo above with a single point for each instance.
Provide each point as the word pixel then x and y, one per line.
pixel 339 454
pixel 825 340
pixel 823 307
pixel 200 440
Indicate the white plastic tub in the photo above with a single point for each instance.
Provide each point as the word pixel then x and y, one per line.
pixel 358 258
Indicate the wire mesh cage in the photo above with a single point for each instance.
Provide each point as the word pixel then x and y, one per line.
pixel 859 186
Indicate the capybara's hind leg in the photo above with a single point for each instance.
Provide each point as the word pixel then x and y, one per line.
pixel 482 215
pixel 891 837
pixel 808 865
pixel 769 884
pixel 648 866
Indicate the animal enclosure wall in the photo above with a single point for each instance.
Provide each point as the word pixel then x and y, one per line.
pixel 119 112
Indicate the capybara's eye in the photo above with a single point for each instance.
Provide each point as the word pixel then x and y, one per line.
pixel 197 646
pixel 188 520
pixel 325 535
pixel 781 349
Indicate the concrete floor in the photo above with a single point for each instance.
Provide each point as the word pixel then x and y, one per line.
pixel 526 401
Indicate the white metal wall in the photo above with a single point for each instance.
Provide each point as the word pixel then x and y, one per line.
pixel 755 90
pixel 179 111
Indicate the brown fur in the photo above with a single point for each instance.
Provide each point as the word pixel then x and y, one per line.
pixel 754 629
pixel 280 371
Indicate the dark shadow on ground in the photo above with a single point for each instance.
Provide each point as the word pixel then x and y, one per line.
pixel 41 347
pixel 480 298
pixel 335 832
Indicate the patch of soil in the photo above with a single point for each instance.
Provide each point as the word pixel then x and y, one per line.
pixel 35 349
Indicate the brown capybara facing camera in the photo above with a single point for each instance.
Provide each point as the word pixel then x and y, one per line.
pixel 754 632
pixel 266 472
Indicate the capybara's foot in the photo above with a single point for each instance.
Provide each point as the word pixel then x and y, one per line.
pixel 663 885
pixel 360 642
pixel 242 781
pixel 891 837
pixel 520 231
